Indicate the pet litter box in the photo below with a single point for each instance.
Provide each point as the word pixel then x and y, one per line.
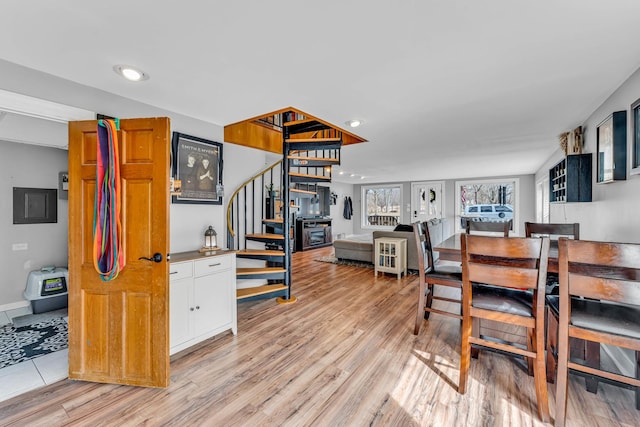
pixel 47 289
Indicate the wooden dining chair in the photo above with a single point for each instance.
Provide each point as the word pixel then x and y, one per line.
pixel 599 301
pixel 505 266
pixel 585 350
pixel 431 275
pixel 489 227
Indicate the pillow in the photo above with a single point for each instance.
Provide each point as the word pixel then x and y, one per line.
pixel 403 227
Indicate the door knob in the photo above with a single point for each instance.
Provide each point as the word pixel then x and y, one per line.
pixel 157 257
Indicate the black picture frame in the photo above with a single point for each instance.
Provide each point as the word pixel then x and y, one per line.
pixel 612 148
pixel 635 138
pixel 197 163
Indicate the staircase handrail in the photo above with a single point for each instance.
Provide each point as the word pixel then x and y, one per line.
pixel 243 185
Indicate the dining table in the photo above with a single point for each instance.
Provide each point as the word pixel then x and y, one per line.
pixel 450 250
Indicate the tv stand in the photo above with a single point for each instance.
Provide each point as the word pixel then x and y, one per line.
pixel 313 233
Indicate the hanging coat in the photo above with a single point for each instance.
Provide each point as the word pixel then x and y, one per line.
pixel 348 208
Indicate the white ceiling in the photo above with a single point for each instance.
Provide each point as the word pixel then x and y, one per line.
pixel 446 88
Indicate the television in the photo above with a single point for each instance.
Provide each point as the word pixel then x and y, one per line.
pixel 315 205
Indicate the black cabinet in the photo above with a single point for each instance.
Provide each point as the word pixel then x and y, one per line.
pixel 313 233
pixel 570 179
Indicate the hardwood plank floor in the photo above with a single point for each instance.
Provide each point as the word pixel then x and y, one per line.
pixel 343 355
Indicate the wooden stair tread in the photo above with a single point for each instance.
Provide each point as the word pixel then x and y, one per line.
pixel 323 159
pixel 295 190
pixel 265 236
pixel 305 175
pixel 273 220
pixel 246 271
pixel 263 252
pixel 318 140
pixel 259 290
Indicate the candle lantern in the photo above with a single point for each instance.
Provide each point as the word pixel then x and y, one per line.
pixel 210 238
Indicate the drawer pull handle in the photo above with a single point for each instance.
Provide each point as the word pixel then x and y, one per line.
pixel 214 265
pixel 173 272
pixel 197 307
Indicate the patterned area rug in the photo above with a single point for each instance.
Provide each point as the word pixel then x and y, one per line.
pixel 333 260
pixel 18 344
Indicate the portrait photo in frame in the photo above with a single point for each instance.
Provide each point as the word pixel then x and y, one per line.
pixel 197 163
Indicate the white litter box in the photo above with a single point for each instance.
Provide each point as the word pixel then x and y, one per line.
pixel 47 289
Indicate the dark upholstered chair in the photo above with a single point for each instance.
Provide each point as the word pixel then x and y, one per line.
pixel 599 301
pixel 513 273
pixel 502 227
pixel 432 275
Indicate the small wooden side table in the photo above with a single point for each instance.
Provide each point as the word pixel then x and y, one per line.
pixel 390 256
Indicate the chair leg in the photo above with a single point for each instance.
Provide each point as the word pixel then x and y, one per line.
pixel 429 300
pixel 421 300
pixel 465 354
pixel 539 374
pixel 592 359
pixel 475 331
pixel 562 375
pixel 552 346
pixel 531 347
pixel 638 377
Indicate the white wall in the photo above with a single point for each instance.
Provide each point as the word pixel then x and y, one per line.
pixel 613 213
pixel 340 225
pixel 188 222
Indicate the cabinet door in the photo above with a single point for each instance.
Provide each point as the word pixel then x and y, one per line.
pixel 180 292
pixel 328 238
pixel 211 300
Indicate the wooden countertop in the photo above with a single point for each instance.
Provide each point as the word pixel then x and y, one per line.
pixel 193 255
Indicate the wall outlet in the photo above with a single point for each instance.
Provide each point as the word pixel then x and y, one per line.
pixel 19 247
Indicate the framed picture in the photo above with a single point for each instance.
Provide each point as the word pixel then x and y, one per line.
pixel 612 147
pixel 197 163
pixel 635 138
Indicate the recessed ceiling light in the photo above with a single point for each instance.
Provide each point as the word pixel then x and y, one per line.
pixel 362 177
pixel 354 123
pixel 131 73
pixel 352 175
pixel 341 173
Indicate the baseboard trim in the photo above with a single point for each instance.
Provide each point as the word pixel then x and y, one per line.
pixel 14 305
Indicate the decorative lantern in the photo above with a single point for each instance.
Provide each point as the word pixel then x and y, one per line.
pixel 210 238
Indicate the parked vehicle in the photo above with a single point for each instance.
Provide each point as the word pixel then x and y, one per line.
pixel 494 212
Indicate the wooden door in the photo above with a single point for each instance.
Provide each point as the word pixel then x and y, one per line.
pixel 426 200
pixel 118 330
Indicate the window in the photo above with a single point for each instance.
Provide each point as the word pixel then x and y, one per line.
pixel 487 200
pixel 381 206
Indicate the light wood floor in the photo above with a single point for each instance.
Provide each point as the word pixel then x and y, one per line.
pixel 343 355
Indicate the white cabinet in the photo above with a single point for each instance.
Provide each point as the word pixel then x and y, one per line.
pixel 202 297
pixel 391 255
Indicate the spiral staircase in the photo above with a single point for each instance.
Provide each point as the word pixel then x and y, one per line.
pixel 260 213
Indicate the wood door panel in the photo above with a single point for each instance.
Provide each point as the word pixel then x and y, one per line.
pixel 118 330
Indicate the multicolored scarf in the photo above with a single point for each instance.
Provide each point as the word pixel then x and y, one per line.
pixel 108 255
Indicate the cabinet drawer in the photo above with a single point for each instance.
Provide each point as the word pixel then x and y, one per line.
pixel 180 270
pixel 211 265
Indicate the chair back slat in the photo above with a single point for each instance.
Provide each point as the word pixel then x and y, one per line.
pixel 505 248
pixel 502 227
pixel 619 255
pixel 600 288
pixel 512 277
pixel 536 229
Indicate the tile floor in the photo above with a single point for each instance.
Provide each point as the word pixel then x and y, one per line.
pixel 34 373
